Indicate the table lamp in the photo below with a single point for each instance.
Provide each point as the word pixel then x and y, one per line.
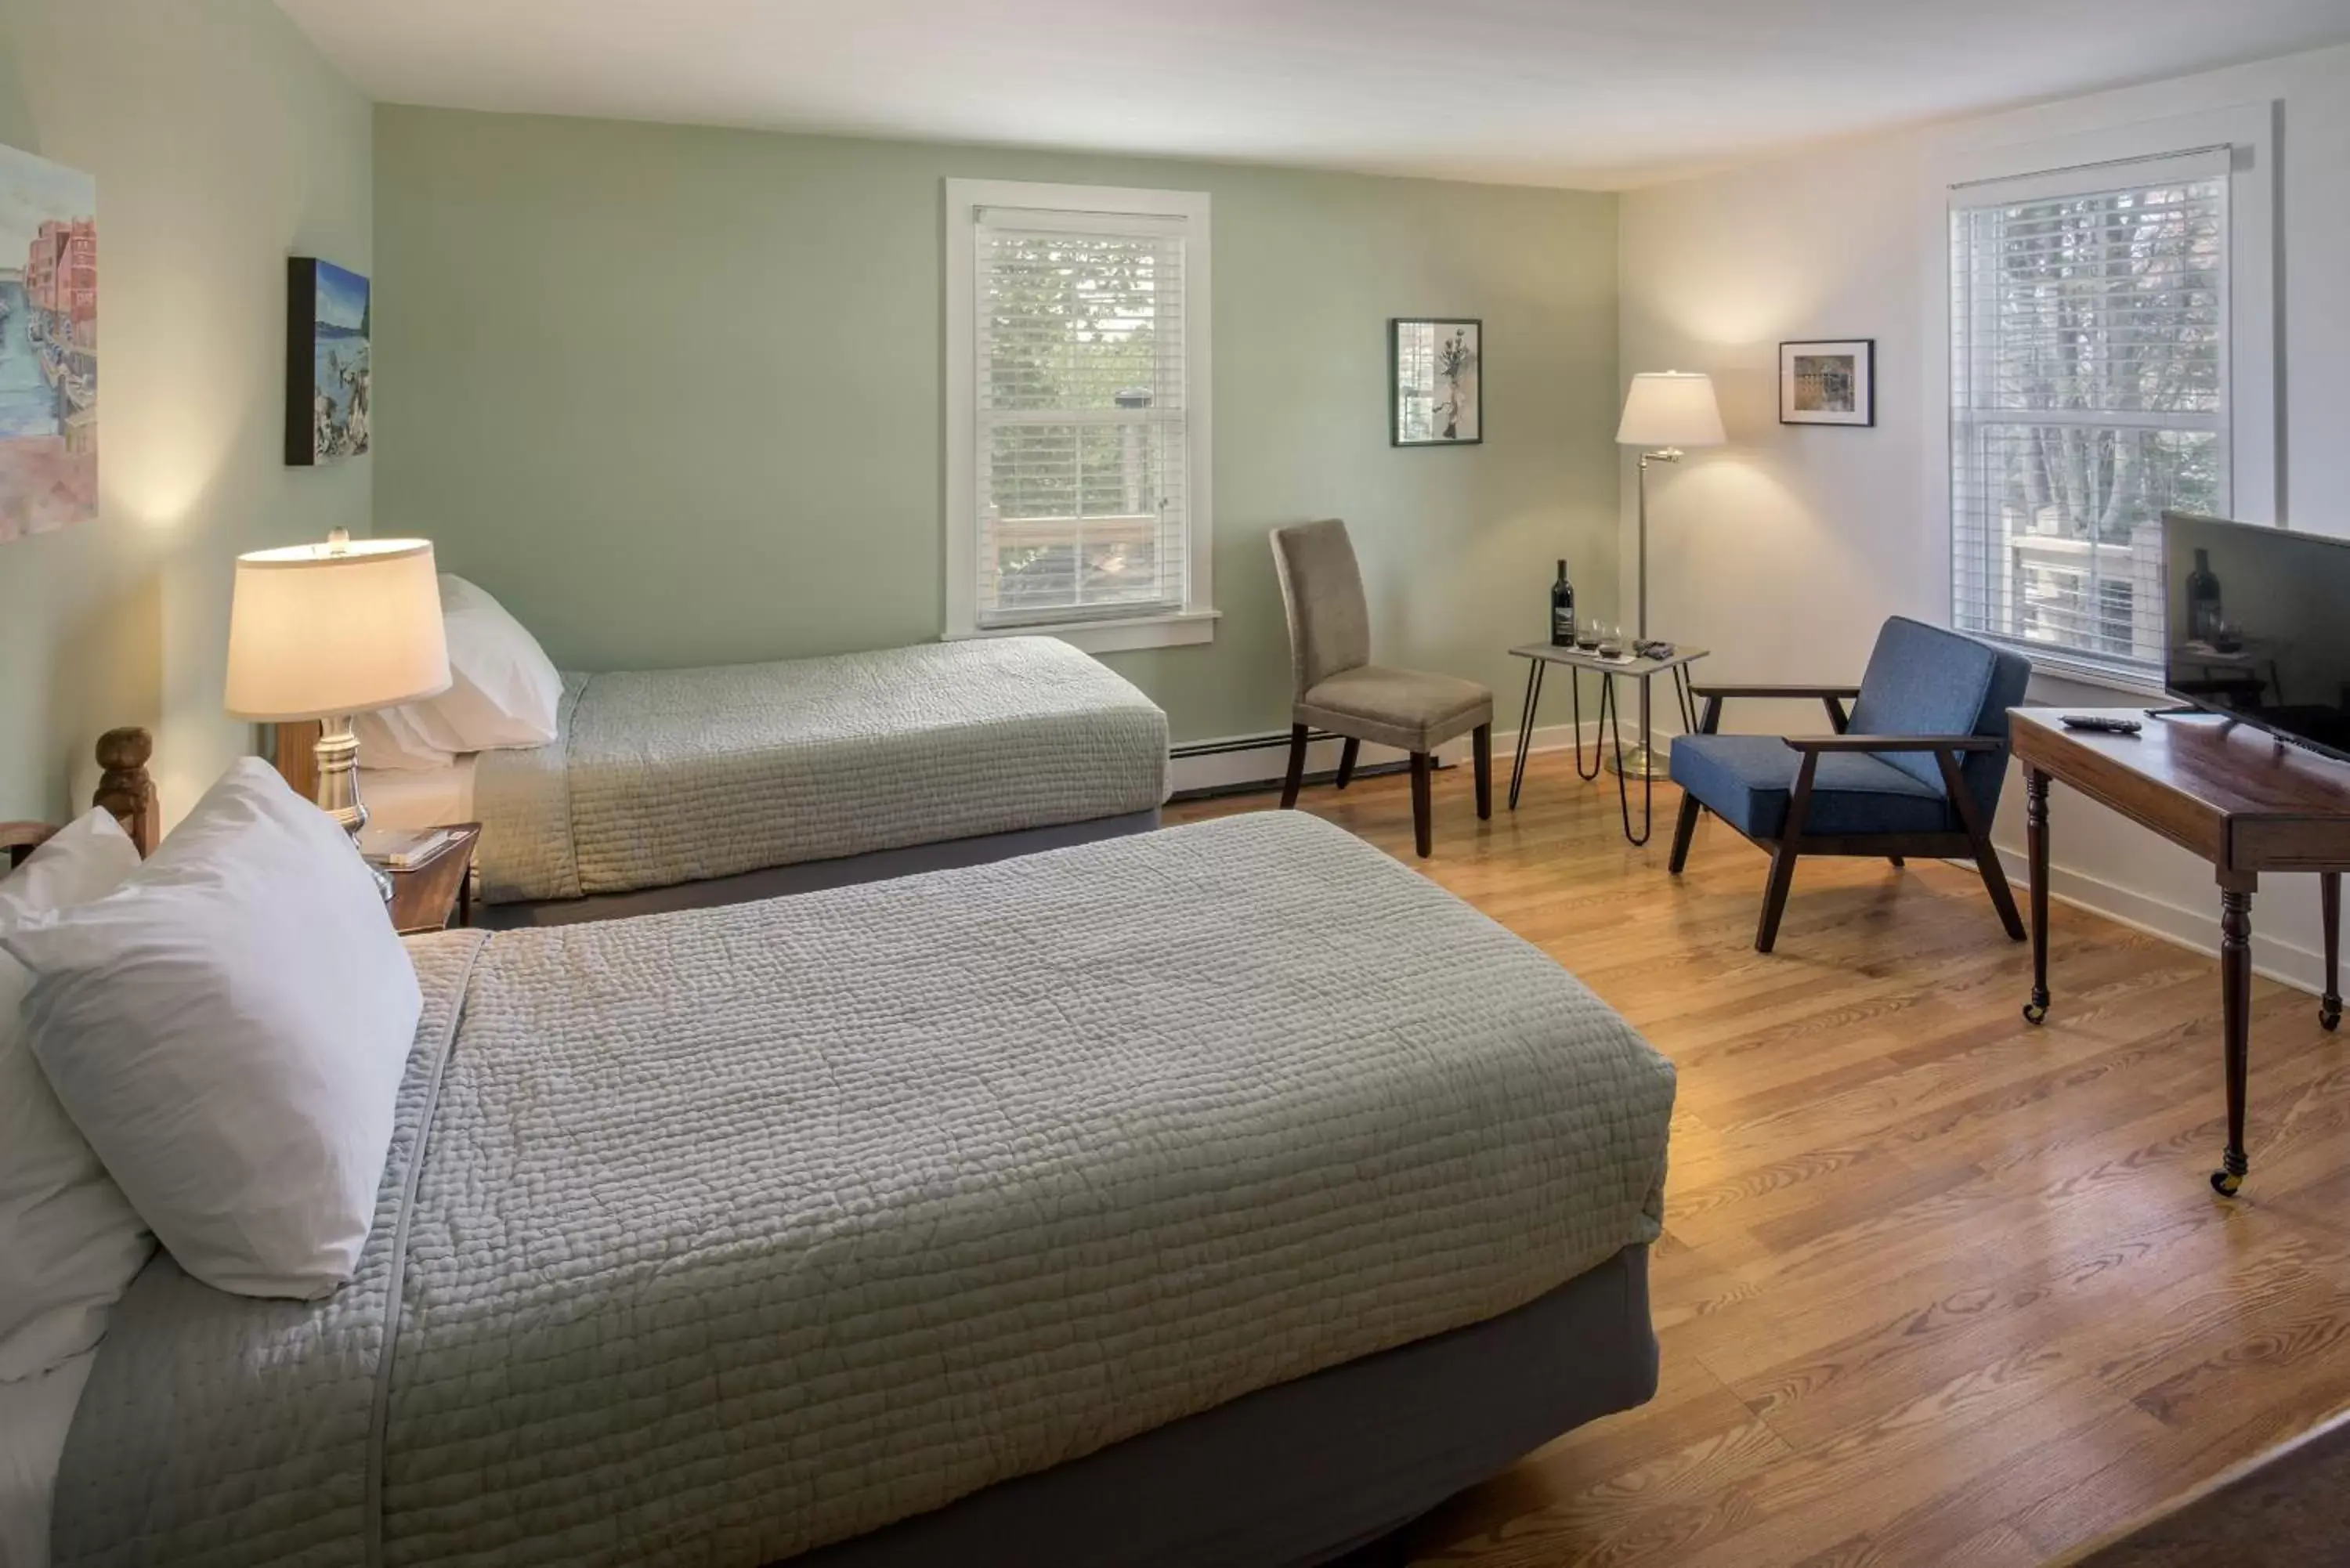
pixel 1665 412
pixel 324 632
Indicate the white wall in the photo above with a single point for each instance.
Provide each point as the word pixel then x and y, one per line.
pixel 1784 550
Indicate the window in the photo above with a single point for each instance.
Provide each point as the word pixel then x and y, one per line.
pixel 1077 420
pixel 2098 379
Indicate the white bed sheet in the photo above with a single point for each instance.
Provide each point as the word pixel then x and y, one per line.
pixel 35 1414
pixel 432 797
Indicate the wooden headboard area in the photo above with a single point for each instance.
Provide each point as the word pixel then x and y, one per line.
pixel 124 788
pixel 296 761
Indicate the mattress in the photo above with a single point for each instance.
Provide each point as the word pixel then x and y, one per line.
pixel 430 797
pixel 661 777
pixel 34 1413
pixel 719 1236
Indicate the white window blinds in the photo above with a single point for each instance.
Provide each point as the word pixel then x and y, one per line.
pixel 2089 365
pixel 1082 445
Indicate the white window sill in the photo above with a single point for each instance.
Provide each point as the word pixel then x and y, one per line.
pixel 2093 677
pixel 1182 631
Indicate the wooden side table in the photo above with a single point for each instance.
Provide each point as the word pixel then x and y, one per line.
pixel 440 892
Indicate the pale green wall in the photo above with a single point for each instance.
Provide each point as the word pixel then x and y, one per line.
pixel 674 394
pixel 221 143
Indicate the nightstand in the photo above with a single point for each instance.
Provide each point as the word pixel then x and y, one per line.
pixel 439 893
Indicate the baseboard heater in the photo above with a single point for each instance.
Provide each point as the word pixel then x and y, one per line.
pixel 1277 743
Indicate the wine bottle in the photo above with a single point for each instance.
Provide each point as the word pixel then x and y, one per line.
pixel 1562 610
pixel 2202 600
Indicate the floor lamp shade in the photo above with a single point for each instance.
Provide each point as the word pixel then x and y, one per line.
pixel 319 631
pixel 1669 409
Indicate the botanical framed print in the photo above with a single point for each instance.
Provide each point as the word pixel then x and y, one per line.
pixel 49 345
pixel 1436 392
pixel 1828 383
pixel 330 317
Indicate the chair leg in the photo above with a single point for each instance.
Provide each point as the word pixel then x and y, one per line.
pixel 1421 811
pixel 1897 861
pixel 1297 733
pixel 1774 895
pixel 1782 855
pixel 1347 761
pixel 1986 859
pixel 1995 883
pixel 1481 746
pixel 1683 831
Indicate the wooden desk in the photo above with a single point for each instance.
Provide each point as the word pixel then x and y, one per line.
pixel 2244 801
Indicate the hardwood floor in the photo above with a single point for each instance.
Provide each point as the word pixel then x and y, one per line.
pixel 1935 1286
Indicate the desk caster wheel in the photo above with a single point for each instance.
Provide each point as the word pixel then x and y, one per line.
pixel 2329 1012
pixel 2227 1183
pixel 2035 1012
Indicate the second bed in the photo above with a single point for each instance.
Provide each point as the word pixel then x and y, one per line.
pixel 685 788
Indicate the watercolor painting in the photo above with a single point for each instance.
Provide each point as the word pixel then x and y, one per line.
pixel 1832 383
pixel 49 345
pixel 328 320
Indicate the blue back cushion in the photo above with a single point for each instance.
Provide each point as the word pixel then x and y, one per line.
pixel 1924 680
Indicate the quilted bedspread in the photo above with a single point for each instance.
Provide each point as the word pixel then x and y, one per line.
pixel 710 1237
pixel 660 777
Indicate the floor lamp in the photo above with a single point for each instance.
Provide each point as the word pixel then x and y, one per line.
pixel 1665 412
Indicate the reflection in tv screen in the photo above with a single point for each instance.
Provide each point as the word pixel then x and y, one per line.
pixel 2258 626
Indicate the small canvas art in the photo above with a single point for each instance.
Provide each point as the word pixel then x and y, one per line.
pixel 1828 383
pixel 49 345
pixel 1436 373
pixel 329 318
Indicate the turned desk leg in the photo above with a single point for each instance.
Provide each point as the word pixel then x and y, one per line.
pixel 2236 1027
pixel 2329 899
pixel 2035 843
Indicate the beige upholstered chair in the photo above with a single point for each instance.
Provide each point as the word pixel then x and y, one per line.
pixel 1335 685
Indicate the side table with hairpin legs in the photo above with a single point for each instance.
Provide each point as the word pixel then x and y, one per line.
pixel 1541 656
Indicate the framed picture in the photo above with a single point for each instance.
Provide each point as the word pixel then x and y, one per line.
pixel 329 312
pixel 49 345
pixel 1832 383
pixel 1436 381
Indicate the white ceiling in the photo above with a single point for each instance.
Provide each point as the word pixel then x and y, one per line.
pixel 1556 92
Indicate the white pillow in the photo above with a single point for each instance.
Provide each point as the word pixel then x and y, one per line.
pixel 502 691
pixel 229 1029
pixel 70 1243
pixel 389 739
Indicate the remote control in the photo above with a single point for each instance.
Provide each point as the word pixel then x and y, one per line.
pixel 2100 723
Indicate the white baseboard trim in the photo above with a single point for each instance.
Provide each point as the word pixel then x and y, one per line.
pixel 2287 964
pixel 1239 759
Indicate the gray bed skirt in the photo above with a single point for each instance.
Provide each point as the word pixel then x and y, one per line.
pixel 810 876
pixel 1306 1471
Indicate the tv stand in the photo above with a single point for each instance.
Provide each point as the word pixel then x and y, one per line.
pixel 2182 711
pixel 2242 807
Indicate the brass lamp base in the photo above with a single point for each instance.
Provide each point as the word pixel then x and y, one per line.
pixel 1639 763
pixel 337 754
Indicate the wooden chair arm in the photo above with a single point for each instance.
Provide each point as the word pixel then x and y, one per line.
pixel 1796 692
pixel 1895 742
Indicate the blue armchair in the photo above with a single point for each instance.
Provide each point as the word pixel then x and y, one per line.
pixel 1915 770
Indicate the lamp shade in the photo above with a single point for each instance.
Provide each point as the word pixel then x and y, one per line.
pixel 318 631
pixel 1670 408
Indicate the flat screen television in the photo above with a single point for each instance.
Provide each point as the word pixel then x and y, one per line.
pixel 2258 626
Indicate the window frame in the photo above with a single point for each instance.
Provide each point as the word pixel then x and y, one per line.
pixel 2253 430
pixel 1195 622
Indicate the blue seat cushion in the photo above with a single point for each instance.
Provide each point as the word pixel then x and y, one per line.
pixel 1746 780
